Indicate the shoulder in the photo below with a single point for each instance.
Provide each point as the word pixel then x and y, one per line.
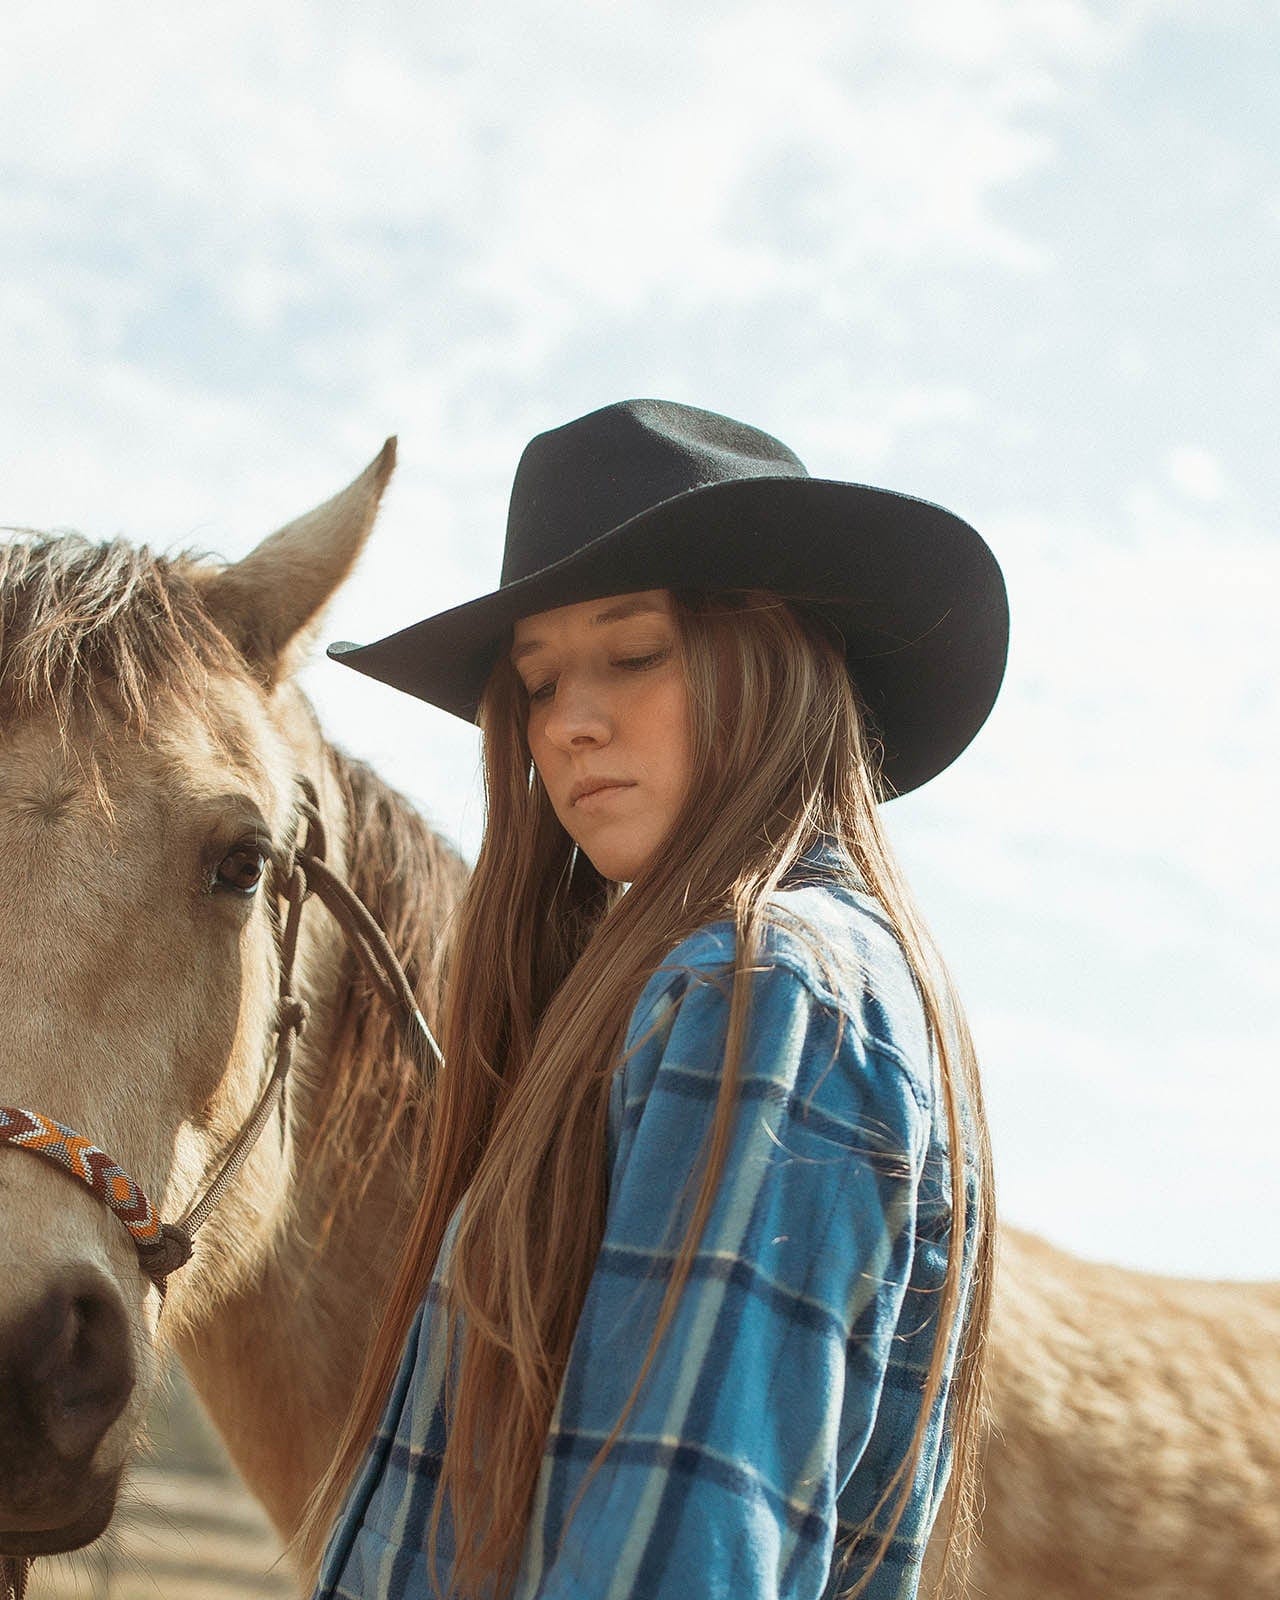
pixel 828 956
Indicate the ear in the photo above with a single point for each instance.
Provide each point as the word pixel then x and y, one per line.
pixel 270 603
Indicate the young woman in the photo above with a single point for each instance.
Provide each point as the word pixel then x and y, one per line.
pixel 695 1298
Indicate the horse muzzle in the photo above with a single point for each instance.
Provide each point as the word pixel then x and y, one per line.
pixel 66 1375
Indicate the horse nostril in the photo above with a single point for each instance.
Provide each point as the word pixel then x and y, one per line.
pixel 72 1357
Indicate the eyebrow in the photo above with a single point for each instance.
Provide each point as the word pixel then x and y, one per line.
pixel 614 613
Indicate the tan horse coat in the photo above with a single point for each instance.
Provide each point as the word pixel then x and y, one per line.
pixel 1136 1445
pixel 1135 1451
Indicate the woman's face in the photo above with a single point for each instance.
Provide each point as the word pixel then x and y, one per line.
pixel 608 722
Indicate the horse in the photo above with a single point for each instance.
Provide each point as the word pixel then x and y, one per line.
pixel 153 747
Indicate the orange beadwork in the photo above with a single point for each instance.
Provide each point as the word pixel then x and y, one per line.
pixel 28 1130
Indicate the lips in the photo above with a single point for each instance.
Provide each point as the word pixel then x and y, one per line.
pixel 586 786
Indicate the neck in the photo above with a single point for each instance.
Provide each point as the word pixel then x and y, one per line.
pixel 277 1365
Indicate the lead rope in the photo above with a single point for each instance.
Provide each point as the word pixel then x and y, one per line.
pixel 305 873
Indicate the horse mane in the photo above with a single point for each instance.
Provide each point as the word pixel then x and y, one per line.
pixel 101 628
pixel 376 1082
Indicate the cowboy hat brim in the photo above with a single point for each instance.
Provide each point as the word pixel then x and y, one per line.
pixel 913 590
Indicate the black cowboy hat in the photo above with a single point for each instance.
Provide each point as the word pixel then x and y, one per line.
pixel 649 494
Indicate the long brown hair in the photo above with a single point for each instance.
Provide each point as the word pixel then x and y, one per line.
pixel 555 957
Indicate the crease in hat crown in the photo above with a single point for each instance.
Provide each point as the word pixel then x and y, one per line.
pixel 668 450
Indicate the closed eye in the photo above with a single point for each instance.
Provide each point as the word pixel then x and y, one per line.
pixel 545 691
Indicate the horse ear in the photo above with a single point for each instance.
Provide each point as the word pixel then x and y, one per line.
pixel 271 602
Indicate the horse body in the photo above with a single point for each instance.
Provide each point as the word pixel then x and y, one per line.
pixel 1135 1452
pixel 150 732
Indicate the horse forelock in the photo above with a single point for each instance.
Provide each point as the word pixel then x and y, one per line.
pixel 103 627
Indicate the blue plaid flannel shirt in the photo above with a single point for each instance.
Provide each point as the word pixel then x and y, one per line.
pixel 789 1381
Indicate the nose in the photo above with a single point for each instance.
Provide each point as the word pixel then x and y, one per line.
pixel 579 715
pixel 66 1373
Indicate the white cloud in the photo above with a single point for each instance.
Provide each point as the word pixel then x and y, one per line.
pixel 1197 473
pixel 238 248
pixel 1138 705
pixel 1124 1165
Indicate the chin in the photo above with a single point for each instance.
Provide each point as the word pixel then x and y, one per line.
pixel 621 864
pixel 614 870
pixel 73 1535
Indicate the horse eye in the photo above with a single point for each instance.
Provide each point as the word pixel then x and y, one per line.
pixel 241 869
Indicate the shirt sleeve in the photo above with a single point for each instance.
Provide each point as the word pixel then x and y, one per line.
pixel 764 1390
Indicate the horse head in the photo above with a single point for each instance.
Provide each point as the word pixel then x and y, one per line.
pixel 151 741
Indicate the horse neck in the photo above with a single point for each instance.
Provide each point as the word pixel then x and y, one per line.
pixel 277 1365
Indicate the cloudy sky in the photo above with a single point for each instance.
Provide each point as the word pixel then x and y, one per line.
pixel 1017 256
